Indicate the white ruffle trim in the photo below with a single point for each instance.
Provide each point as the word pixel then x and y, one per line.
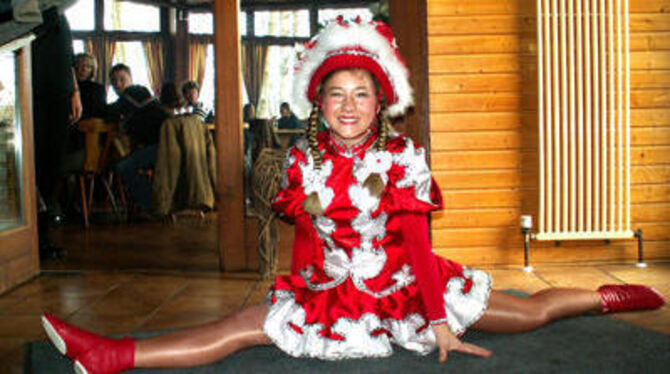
pixel 462 311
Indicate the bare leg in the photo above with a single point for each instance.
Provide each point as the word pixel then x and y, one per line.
pixel 507 313
pixel 204 344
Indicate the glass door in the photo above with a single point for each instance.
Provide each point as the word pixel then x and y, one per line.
pixel 18 229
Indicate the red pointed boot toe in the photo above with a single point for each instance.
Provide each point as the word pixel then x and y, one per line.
pixel 629 297
pixel 91 353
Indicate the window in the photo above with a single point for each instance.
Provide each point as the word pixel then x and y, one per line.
pixel 203 23
pixel 127 16
pixel 131 54
pixel 329 14
pixel 81 15
pixel 11 168
pixel 78 46
pixel 207 89
pixel 200 23
pixel 291 23
pixel 277 81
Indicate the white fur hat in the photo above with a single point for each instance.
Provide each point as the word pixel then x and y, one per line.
pixel 345 45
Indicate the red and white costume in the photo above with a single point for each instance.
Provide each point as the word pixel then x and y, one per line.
pixel 363 273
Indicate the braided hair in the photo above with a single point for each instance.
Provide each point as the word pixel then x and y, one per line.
pixel 383 124
pixel 312 130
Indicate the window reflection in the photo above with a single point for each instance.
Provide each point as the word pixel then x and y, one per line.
pixel 292 23
pixel 81 15
pixel 127 16
pixel 11 207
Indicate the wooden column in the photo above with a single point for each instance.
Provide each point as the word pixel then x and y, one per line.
pixel 408 20
pixel 228 106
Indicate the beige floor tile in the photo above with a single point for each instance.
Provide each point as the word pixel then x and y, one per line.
pixel 108 324
pixel 657 320
pixel 217 304
pixel 12 363
pixel 20 326
pixel 162 321
pixel 11 346
pixel 258 294
pixel 218 286
pixel 77 283
pixel 516 279
pixel 655 275
pixel 575 277
pixel 58 304
pixel 142 295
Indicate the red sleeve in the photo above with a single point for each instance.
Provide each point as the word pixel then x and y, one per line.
pixel 424 264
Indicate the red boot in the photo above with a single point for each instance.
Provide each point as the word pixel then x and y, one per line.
pixel 628 297
pixel 91 353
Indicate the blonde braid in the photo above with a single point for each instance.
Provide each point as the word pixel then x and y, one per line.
pixel 312 204
pixel 312 130
pixel 384 125
pixel 374 182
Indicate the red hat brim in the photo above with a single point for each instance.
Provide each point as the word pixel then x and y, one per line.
pixel 354 60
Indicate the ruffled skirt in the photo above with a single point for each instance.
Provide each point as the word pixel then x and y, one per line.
pixel 343 322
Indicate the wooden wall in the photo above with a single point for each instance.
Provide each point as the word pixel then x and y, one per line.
pixel 482 84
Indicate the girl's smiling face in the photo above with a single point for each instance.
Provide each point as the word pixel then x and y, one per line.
pixel 349 104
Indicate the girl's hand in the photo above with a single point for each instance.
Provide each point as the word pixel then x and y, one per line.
pixel 446 341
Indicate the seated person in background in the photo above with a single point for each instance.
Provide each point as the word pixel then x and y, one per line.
pixel 120 78
pixel 144 118
pixel 170 100
pixel 288 121
pixel 185 169
pixel 93 103
pixel 93 97
pixel 191 91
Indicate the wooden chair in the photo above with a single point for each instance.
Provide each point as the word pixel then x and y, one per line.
pixel 94 162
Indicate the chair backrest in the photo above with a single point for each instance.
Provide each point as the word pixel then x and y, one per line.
pixel 95 154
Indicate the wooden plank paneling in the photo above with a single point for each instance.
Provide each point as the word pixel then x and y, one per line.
pixel 479 102
pixel 502 24
pixel 492 63
pixel 496 217
pixel 479 7
pixel 641 213
pixel 486 24
pixel 497 178
pixel 482 72
pixel 477 121
pixel 475 83
pixel 473 198
pixel 485 140
pixel 471 160
pixel 650 155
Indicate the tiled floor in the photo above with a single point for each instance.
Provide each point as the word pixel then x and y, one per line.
pixel 118 302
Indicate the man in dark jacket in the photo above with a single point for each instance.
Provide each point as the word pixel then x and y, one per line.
pixel 144 119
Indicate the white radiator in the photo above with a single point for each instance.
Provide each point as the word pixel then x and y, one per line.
pixel 584 120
